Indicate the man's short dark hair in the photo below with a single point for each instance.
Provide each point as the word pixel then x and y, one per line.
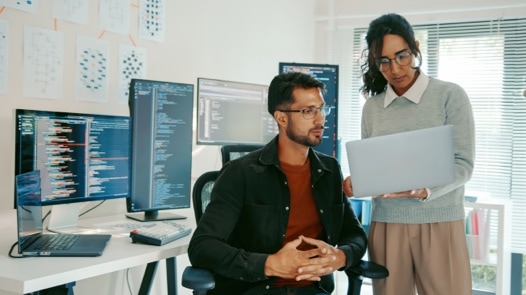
pixel 282 86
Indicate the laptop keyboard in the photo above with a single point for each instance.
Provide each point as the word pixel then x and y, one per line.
pixel 56 242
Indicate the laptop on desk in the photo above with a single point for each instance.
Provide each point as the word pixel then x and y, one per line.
pixel 402 161
pixel 31 239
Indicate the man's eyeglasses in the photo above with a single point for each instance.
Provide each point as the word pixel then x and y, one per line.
pixel 403 58
pixel 309 113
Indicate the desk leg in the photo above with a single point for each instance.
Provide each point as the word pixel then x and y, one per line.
pixel 171 275
pixel 147 279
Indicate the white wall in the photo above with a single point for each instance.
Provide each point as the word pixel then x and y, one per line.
pixel 234 40
pixel 341 15
pixel 361 12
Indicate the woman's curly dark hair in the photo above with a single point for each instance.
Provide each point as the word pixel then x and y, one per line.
pixel 373 80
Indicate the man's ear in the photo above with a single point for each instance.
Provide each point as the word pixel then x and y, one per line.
pixel 281 118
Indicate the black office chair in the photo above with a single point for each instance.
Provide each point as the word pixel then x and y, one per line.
pixel 234 151
pixel 201 280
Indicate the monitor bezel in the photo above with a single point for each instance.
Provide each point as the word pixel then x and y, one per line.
pixel 153 213
pixel 201 141
pixel 64 114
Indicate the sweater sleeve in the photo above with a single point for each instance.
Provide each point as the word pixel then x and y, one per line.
pixel 459 113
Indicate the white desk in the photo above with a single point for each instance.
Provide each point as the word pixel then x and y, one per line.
pixel 26 275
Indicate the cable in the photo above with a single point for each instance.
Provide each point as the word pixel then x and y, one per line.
pixel 54 231
pixel 92 208
pixel 128 280
pixel 45 216
pixel 11 250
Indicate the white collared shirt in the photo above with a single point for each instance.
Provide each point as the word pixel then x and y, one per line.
pixel 413 94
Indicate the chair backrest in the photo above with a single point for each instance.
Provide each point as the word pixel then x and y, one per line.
pixel 204 184
pixel 234 151
pixel 202 191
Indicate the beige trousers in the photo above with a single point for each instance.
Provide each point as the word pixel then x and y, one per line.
pixel 430 258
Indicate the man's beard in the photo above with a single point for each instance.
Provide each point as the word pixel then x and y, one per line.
pixel 304 140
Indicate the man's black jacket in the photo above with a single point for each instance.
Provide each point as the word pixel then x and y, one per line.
pixel 248 214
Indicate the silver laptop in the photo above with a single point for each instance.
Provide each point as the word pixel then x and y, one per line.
pixel 31 240
pixel 403 161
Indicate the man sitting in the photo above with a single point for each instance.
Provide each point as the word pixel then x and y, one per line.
pixel 278 221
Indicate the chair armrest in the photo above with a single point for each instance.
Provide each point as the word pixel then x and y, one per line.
pixel 368 269
pixel 198 279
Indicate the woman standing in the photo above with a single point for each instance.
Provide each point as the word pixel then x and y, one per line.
pixel 419 235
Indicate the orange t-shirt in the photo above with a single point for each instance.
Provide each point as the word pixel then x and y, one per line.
pixel 303 215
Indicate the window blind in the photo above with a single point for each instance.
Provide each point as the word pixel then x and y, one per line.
pixel 486 58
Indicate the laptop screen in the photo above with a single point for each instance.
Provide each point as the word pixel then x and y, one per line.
pixel 29 210
pixel 422 158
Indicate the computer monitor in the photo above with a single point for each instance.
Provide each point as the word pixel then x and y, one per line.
pixel 230 112
pixel 81 157
pixel 328 74
pixel 161 114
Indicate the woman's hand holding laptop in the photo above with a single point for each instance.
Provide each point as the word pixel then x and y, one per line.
pixel 415 193
pixel 421 194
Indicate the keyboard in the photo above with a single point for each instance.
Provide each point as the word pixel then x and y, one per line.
pixel 126 226
pixel 56 242
pixel 160 233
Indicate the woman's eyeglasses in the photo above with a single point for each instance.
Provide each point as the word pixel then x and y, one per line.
pixel 403 58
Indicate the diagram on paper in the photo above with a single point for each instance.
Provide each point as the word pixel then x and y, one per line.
pixel 27 6
pixel 43 63
pixel 132 64
pixel 92 69
pixel 152 20
pixel 75 11
pixel 114 16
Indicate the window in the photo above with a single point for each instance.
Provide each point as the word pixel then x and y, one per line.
pixel 488 59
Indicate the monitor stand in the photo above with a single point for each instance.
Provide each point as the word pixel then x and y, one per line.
pixel 154 216
pixel 64 218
